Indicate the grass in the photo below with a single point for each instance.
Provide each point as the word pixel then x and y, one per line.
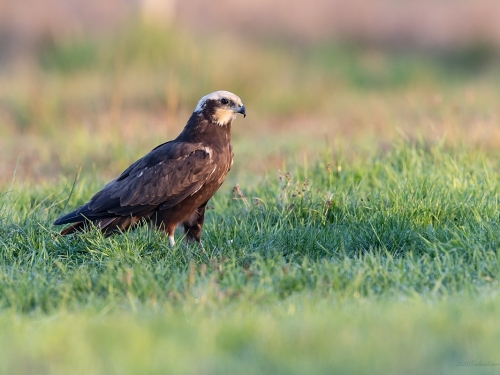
pixel 356 233
pixel 314 335
pixel 306 271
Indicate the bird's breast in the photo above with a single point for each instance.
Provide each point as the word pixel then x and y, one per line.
pixel 222 161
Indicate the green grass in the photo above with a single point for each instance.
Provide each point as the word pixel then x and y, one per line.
pixel 300 335
pixel 379 263
pixel 379 257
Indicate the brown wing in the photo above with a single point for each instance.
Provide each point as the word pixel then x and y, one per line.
pixel 167 175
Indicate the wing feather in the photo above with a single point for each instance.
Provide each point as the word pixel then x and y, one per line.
pixel 164 177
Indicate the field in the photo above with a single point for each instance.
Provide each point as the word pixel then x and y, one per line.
pixel 358 231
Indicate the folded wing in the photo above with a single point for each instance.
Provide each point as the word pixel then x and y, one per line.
pixel 161 179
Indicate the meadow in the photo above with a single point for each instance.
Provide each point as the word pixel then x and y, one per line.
pixel 358 231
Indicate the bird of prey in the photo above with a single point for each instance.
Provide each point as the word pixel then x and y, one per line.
pixel 172 184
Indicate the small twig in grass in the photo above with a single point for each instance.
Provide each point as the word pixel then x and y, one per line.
pixel 77 176
pixel 258 201
pixel 238 193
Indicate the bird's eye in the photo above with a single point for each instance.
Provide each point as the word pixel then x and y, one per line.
pixel 224 101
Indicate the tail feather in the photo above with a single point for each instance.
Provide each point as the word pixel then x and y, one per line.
pixel 117 224
pixel 76 216
pixel 77 227
pixel 107 226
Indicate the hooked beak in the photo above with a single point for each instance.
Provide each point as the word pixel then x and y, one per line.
pixel 242 110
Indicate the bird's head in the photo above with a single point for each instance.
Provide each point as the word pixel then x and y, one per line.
pixel 221 107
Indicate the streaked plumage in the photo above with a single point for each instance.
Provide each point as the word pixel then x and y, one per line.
pixel 172 184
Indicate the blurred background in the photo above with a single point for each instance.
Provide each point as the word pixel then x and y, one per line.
pixel 95 85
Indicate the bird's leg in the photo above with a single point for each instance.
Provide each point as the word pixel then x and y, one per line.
pixel 170 230
pixel 160 224
pixel 194 225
